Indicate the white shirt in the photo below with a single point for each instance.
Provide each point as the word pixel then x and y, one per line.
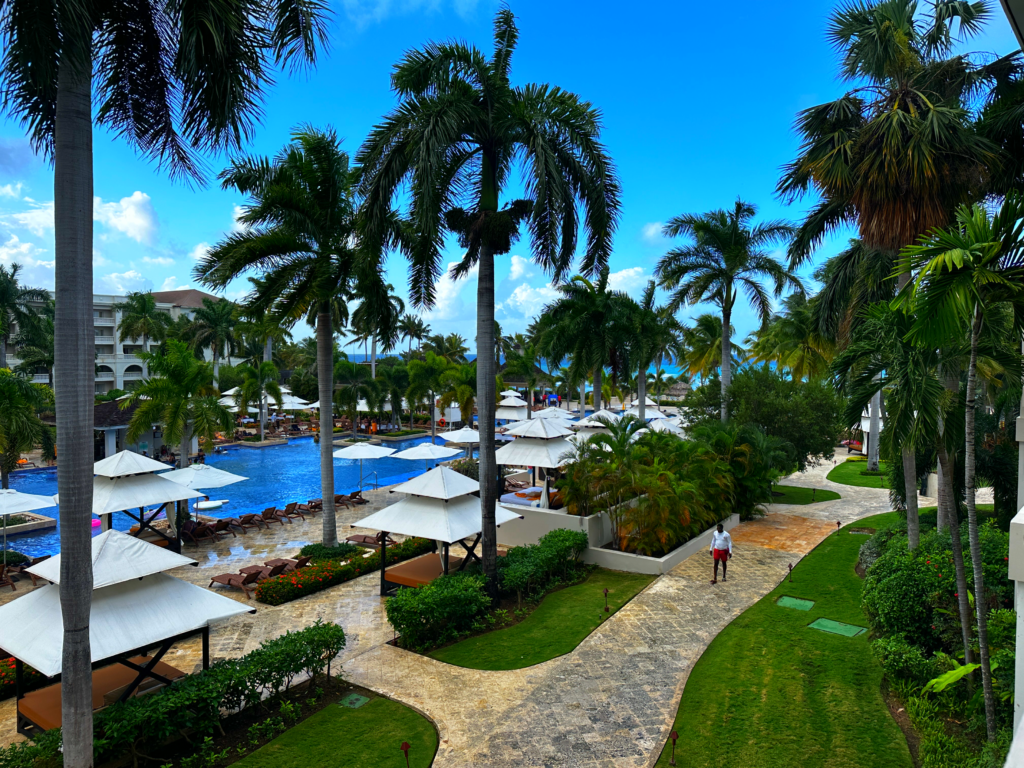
pixel 721 541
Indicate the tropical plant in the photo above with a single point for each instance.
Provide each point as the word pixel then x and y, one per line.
pixel 413 328
pixel 19 306
pixel 522 363
pixel 451 347
pixel 792 342
pixel 393 383
pixel 302 238
pixel 964 274
pixel 703 346
pixel 259 384
pixel 377 320
pixel 20 427
pixel 425 381
pixel 140 319
pixel 655 335
pixel 459 132
pixel 353 384
pixel 213 327
pixel 35 344
pixel 458 385
pixel 726 254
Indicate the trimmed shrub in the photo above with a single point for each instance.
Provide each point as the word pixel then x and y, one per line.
pixel 318 552
pixel 898 594
pixel 16 558
pixel 903 661
pixel 439 612
pixel 328 573
pixel 528 570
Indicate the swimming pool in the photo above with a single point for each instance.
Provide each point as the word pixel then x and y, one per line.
pixel 277 475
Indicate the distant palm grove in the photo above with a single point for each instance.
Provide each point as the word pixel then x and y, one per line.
pixel 905 343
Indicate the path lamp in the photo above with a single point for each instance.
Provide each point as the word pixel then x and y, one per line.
pixel 405 749
pixel 674 735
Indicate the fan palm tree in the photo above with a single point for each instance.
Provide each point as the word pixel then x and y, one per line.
pixel 35 343
pixel 726 254
pixel 140 319
pixel 964 274
pixel 302 238
pixel 459 132
pixel 213 327
pixel 171 84
pixel 20 427
pixel 19 306
pixel 259 382
pixel 458 387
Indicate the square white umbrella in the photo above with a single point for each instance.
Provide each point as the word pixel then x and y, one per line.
pixel 126 463
pixel 361 451
pixel 14 502
pixel 509 393
pixel 467 436
pixel 203 476
pixel 427 452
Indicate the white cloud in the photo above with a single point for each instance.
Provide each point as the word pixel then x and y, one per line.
pixel 37 219
pixel 363 13
pixel 628 280
pixel 171 284
pixel 447 303
pixel 652 232
pixel 520 268
pixel 527 300
pixel 158 261
pixel 11 190
pixel 98 259
pixel 37 273
pixel 134 216
pixel 125 282
pixel 199 251
pixel 236 225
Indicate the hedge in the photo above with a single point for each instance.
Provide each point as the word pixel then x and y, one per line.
pixel 8 685
pixel 322 575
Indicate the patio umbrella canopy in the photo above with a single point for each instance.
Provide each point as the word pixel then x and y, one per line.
pixel 361 451
pixel 666 425
pixel 511 413
pixel 428 451
pixel 464 435
pixel 203 476
pixel 439 483
pixel 124 616
pixel 431 518
pixel 545 429
pixel 552 413
pixel 126 463
pixel 593 420
pixel 649 413
pixel 14 502
pixel 512 402
pixel 534 452
pixel 116 494
pixel 509 393
pixel 118 557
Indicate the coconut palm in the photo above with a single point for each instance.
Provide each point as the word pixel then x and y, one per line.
pixel 726 254
pixel 302 239
pixel 413 328
pixel 703 340
pixel 378 321
pixel 522 364
pixel 451 347
pixel 792 342
pixel 654 336
pixel 964 274
pixel 213 327
pixel 393 381
pixel 19 306
pixel 20 427
pixel 35 344
pixel 354 384
pixel 459 132
pixel 140 319
pixel 425 378
pixel 171 83
pixel 458 387
pixel 259 383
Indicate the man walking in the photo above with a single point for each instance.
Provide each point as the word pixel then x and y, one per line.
pixel 721 551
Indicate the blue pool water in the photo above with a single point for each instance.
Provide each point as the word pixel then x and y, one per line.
pixel 276 475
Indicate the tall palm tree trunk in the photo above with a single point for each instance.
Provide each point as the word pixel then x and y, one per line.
pixel 3 351
pixel 373 358
pixel 216 370
pixel 486 373
pixel 325 380
pixel 947 491
pixel 583 397
pixel 873 431
pixel 74 354
pixel 910 489
pixel 597 389
pixel 981 611
pixel 641 393
pixel 726 356
pixel 529 402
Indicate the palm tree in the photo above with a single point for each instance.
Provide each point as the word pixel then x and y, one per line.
pixel 522 362
pixel 394 382
pixel 34 343
pixel 171 84
pixel 654 336
pixel 726 254
pixel 413 328
pixel 354 384
pixel 213 326
pixel 303 238
pixel 488 129
pixel 425 381
pixel 966 273
pixel 704 346
pixel 451 347
pixel 458 385
pixel 140 319
pixel 562 382
pixel 18 306
pixel 791 340
pixel 259 382
pixel 379 321
pixel 20 427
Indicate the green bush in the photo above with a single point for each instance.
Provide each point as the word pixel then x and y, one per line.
pixel 439 612
pixel 531 569
pixel 872 473
pixel 343 551
pixel 903 661
pixel 44 751
pixel 468 467
pixel 30 678
pixel 16 558
pixel 898 593
pixel 328 573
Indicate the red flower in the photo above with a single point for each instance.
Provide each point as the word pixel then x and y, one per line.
pixel 956 594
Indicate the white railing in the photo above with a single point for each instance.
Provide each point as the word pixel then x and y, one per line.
pixel 104 376
pixel 131 375
pixel 105 357
pixel 105 321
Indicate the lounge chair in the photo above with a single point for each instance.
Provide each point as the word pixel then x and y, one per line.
pixel 365 540
pixel 201 532
pixel 342 500
pixel 289 564
pixel 242 581
pixel 6 580
pixel 266 571
pixel 309 509
pixel 223 527
pixel 291 511
pixel 20 569
pixel 251 520
pixel 269 515
pixel 357 498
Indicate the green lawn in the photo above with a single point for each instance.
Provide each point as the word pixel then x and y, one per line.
pixel 771 692
pixel 339 737
pixel 849 473
pixel 792 494
pixel 560 623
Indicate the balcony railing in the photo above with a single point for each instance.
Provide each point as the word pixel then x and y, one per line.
pixel 40 378
pixel 132 375
pixel 105 376
pixel 106 357
pixel 105 321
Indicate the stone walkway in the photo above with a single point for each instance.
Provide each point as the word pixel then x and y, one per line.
pixel 610 702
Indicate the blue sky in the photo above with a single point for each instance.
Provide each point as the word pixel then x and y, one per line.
pixel 698 103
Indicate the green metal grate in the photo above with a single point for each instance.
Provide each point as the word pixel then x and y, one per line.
pixel 837 627
pixel 795 602
pixel 353 701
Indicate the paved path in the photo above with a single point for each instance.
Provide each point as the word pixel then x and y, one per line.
pixel 610 702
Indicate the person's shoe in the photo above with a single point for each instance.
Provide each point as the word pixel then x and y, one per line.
pixel 724 579
pixel 714 581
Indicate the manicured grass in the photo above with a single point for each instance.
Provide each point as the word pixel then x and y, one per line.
pixel 773 693
pixel 792 494
pixel 560 623
pixel 849 473
pixel 337 736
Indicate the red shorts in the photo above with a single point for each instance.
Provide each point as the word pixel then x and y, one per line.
pixel 722 554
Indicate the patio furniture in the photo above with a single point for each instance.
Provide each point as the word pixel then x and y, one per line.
pixel 420 570
pixel 265 571
pixel 291 511
pixel 269 515
pixel 343 500
pixel 365 540
pixel 6 580
pixel 251 520
pixel 242 581
pixel 20 569
pixel 223 527
pixel 197 532
pixel 289 564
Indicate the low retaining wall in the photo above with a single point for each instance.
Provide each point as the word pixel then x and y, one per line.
pixel 625 561
pixel 264 444
pixel 35 523
pixel 538 522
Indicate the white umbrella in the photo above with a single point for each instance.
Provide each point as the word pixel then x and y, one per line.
pixel 596 419
pixel 431 518
pixel 116 494
pixel 543 428
pixel 666 425
pixel 552 413
pixel 314 406
pixel 513 402
pixel 361 451
pixel 439 483
pixel 203 476
pixel 509 393
pixel 466 435
pixel 535 452
pixel 511 413
pixel 232 391
pixel 13 502
pixel 126 463
pixel 649 413
pixel 427 452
